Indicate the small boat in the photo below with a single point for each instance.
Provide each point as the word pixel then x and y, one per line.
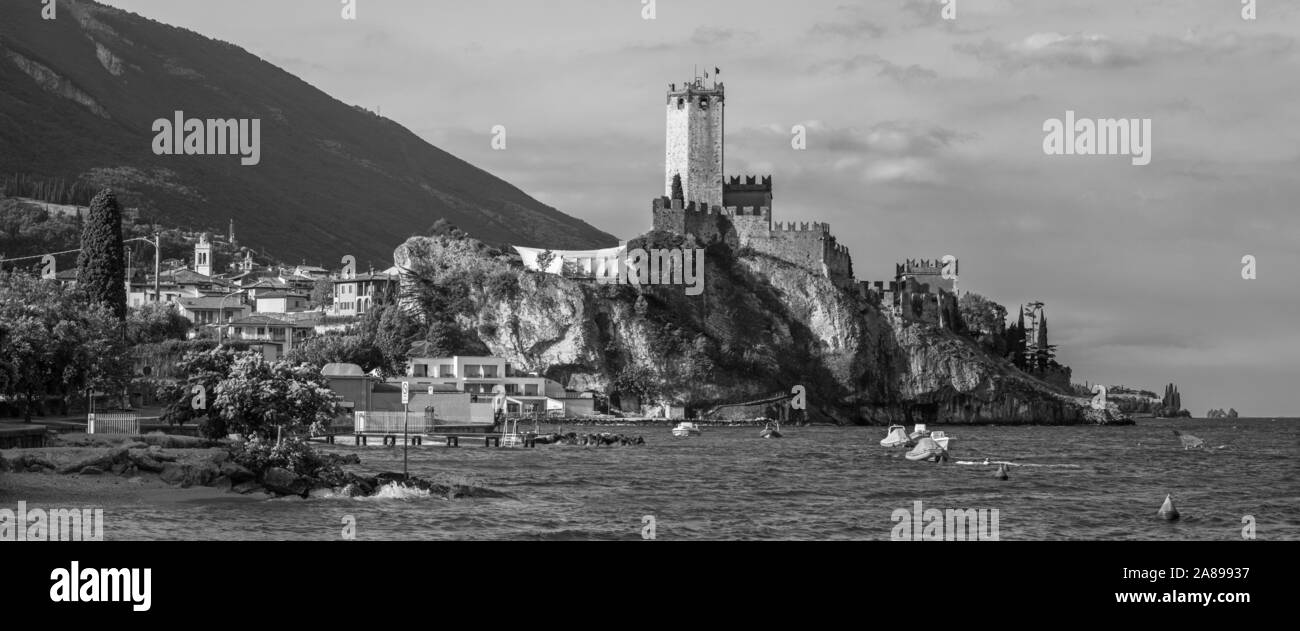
pixel 897 437
pixel 941 438
pixel 919 431
pixel 927 449
pixel 686 429
pixel 771 431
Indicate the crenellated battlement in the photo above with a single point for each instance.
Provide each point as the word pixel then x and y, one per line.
pixel 801 226
pixel 752 182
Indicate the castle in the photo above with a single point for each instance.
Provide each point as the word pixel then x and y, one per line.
pixel 698 201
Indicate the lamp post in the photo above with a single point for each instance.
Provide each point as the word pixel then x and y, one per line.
pixel 221 315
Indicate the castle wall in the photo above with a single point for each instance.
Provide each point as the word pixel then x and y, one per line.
pixel 808 245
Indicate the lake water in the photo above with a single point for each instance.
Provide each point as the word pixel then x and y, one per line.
pixel 816 483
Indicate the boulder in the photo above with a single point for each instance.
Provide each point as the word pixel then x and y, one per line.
pixel 145 462
pixel 222 483
pixel 202 474
pixel 246 488
pixel 352 490
pixel 92 471
pixel 237 473
pixel 284 482
pixel 173 473
pixel 118 468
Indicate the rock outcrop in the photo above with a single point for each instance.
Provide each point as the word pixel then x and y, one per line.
pixel 761 327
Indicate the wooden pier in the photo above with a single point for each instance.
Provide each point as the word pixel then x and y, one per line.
pixel 450 439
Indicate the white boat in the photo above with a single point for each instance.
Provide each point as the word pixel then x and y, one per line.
pixel 919 431
pixel 686 429
pixel 897 437
pixel 940 437
pixel 771 431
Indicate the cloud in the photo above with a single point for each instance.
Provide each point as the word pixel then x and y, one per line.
pixel 1053 50
pixel 884 67
pixel 1098 51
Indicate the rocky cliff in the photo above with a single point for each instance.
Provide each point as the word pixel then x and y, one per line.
pixel 760 327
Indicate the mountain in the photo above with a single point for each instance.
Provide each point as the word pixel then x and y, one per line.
pixel 79 96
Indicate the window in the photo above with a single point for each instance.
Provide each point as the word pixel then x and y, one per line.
pixel 530 389
pixel 512 388
pixel 704 102
pixel 261 330
pixel 681 103
pixel 489 372
pixel 421 370
pixel 446 370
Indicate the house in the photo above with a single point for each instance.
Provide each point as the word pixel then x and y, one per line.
pixel 356 294
pixel 210 310
pixel 362 393
pixel 280 301
pixel 525 394
pixel 273 336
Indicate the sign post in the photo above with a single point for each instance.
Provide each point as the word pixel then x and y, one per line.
pixel 406 421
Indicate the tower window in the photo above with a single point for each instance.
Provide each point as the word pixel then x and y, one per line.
pixel 681 103
pixel 704 102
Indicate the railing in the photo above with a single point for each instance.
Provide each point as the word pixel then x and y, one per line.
pixel 128 424
pixel 392 423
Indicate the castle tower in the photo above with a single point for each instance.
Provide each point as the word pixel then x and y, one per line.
pixel 203 255
pixel 695 141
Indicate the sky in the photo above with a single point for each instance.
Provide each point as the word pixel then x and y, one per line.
pixel 925 137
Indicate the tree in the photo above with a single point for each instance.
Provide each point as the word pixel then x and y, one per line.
pixel 322 293
pixel 101 268
pixel 544 259
pixel 55 342
pixel 677 187
pixel 243 393
pixel 203 370
pixel 260 397
pixel 155 322
pixel 338 349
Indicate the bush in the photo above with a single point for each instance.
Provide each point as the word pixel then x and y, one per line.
pixel 294 454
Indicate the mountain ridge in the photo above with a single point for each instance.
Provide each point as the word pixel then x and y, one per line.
pixel 81 92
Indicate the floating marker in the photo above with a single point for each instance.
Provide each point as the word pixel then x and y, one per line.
pixel 1001 473
pixel 1167 510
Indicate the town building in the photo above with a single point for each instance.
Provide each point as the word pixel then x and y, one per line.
pixel 280 301
pixel 483 377
pixel 274 337
pixel 356 294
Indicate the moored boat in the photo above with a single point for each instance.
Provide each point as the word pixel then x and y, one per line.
pixel 919 431
pixel 897 437
pixel 927 449
pixel 942 438
pixel 771 431
pixel 686 429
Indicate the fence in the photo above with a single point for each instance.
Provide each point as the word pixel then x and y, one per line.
pixel 128 424
pixel 392 423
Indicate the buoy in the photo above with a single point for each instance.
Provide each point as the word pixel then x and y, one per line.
pixel 1167 510
pixel 1001 473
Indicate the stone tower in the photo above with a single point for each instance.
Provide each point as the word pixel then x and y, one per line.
pixel 694 147
pixel 203 255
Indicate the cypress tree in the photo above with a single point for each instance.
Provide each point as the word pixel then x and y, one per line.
pixel 677 187
pixel 101 268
